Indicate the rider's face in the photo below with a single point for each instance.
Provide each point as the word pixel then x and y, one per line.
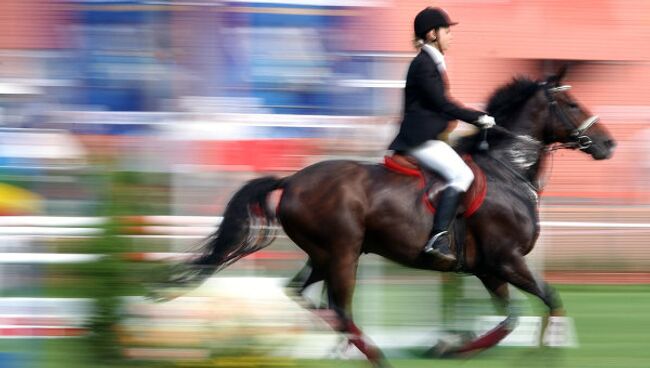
pixel 444 38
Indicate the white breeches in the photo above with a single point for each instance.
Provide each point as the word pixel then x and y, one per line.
pixel 438 156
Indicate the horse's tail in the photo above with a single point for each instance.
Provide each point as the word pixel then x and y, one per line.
pixel 247 226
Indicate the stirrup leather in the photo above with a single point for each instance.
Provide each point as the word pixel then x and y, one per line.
pixel 429 247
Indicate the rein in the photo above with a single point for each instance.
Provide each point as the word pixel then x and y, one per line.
pixel 514 172
pixel 525 139
pixel 514 135
pixel 484 147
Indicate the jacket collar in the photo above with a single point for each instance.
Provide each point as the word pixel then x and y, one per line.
pixel 437 57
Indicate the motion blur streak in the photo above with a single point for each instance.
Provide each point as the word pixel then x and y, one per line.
pixel 126 125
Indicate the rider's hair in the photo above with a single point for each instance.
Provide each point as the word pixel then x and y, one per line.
pixel 419 42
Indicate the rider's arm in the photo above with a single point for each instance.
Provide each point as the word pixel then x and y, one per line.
pixel 433 88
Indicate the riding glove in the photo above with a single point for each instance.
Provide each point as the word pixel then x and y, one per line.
pixel 485 121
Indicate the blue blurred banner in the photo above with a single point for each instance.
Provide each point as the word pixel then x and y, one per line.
pixel 286 56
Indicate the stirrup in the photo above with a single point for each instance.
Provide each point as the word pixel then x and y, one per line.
pixel 429 247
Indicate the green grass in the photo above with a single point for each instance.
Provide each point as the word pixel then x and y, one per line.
pixel 611 322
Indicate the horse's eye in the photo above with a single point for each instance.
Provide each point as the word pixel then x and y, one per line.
pixel 572 105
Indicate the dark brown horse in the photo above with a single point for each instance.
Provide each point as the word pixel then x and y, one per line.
pixel 337 210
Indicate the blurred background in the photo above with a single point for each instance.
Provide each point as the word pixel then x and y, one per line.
pixel 125 127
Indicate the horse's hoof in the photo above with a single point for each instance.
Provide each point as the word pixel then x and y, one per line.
pixel 442 350
pixel 381 363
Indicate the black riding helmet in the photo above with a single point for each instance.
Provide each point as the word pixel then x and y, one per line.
pixel 430 18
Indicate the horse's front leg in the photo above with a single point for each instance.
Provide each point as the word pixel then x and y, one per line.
pixel 516 271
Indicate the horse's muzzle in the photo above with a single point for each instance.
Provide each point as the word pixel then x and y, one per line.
pixel 602 150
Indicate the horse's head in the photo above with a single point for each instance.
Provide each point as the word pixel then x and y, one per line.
pixel 569 123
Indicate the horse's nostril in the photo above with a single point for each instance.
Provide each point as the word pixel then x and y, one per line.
pixel 610 143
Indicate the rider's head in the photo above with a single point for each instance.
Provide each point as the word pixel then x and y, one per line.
pixel 431 25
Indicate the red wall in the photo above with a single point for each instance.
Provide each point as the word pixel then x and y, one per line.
pixel 31 24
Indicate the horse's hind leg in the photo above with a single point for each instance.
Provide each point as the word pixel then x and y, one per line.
pixel 340 276
pixel 340 282
pixel 307 276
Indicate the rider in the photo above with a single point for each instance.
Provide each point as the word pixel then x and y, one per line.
pixel 427 113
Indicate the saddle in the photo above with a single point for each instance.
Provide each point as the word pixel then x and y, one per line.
pixel 473 198
pixel 470 202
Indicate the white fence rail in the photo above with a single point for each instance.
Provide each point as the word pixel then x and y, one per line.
pixel 176 227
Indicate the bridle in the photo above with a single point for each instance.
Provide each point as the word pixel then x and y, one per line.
pixel 577 138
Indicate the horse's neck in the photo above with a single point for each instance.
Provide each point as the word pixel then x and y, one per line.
pixel 524 154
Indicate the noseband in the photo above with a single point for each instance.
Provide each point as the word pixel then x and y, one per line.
pixel 578 138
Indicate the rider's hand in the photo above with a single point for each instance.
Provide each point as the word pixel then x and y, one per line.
pixel 486 121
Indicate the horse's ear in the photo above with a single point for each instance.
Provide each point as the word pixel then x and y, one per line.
pixel 554 80
pixel 562 72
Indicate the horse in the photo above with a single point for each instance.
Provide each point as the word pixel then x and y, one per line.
pixel 337 210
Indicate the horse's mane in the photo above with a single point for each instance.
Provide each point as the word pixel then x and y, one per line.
pixel 504 105
pixel 506 102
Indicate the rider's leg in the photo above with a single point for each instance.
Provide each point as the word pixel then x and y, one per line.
pixel 439 157
pixel 439 244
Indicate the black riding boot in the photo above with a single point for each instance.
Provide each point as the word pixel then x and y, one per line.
pixel 439 244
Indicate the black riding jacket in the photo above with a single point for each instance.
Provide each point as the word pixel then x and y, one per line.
pixel 427 109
